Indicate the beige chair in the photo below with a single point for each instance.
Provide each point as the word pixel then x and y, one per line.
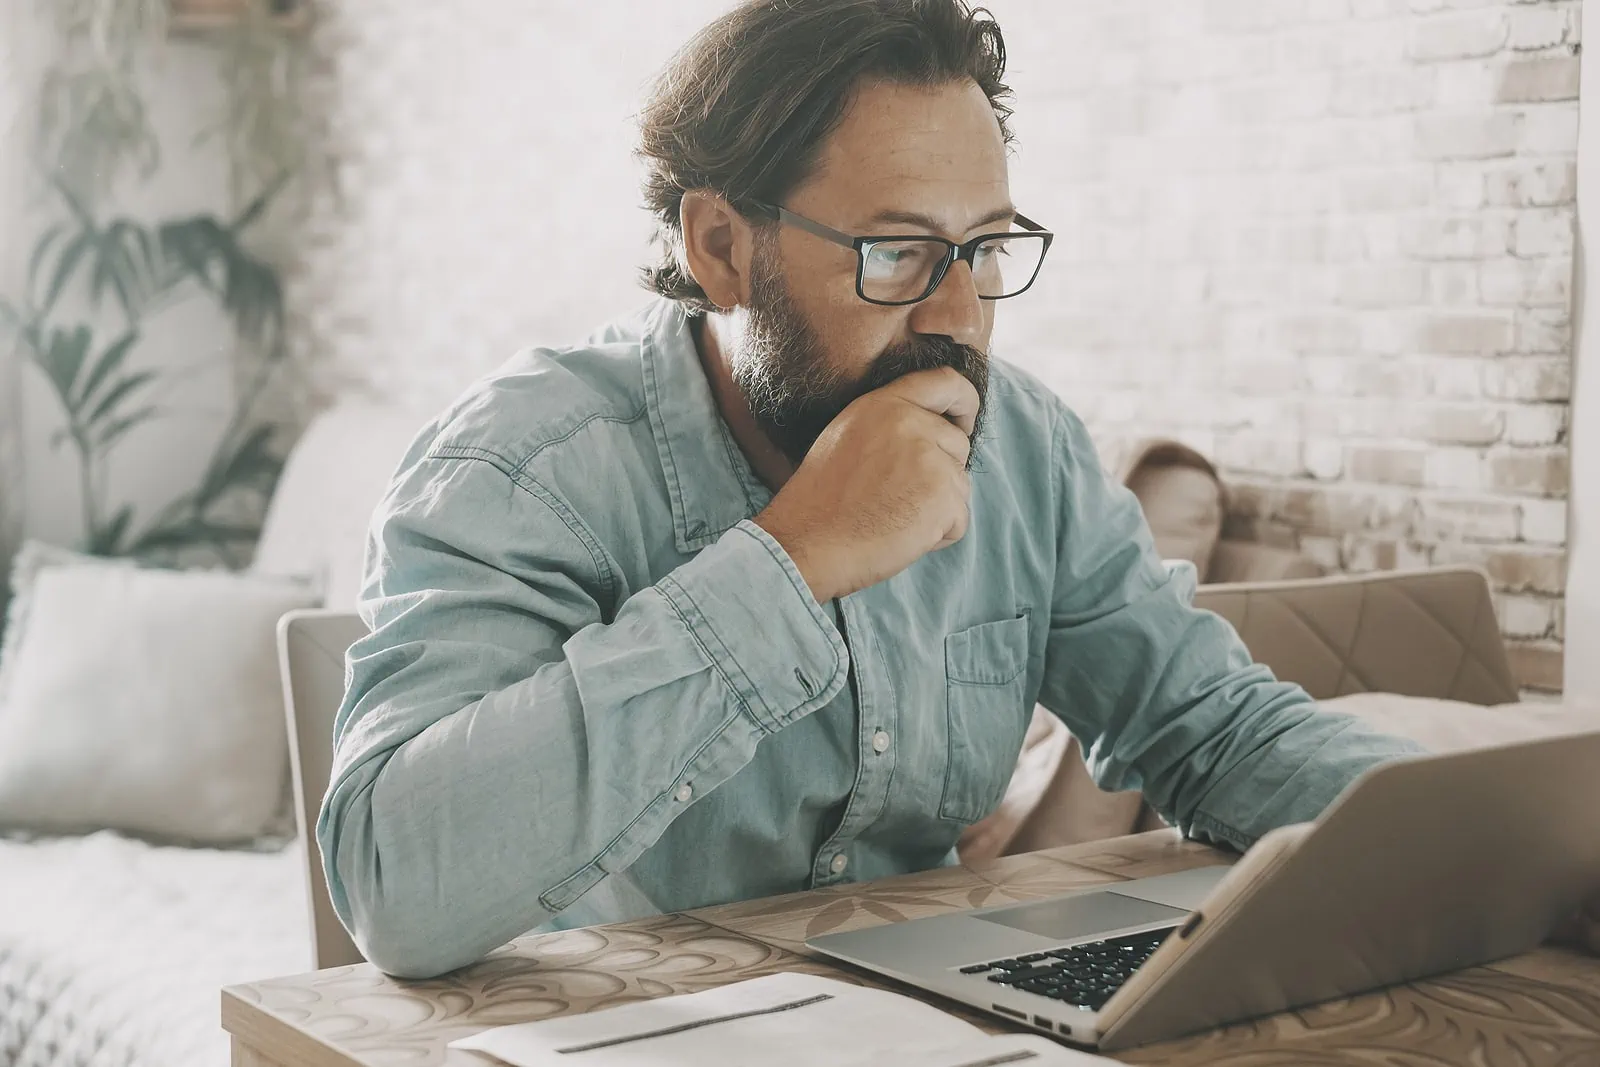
pixel 311 653
pixel 1421 633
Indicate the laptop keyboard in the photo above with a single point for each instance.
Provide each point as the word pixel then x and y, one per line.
pixel 1084 975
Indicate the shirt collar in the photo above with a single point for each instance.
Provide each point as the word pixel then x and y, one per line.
pixel 709 482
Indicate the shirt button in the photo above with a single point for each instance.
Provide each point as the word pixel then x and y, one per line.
pixel 840 862
pixel 880 741
pixel 685 791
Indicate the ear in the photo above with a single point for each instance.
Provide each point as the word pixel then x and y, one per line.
pixel 718 244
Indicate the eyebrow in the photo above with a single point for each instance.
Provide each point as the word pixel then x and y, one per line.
pixel 932 225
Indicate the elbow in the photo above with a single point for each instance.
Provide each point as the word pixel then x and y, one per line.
pixel 403 933
pixel 400 948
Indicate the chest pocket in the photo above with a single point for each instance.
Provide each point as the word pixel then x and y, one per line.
pixel 986 674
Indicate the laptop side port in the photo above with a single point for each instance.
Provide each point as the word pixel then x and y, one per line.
pixel 1066 1029
pixel 1040 1020
pixel 1014 1013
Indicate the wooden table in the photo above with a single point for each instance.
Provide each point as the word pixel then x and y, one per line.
pixel 1538 1010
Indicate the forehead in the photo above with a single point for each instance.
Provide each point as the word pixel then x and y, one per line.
pixel 936 150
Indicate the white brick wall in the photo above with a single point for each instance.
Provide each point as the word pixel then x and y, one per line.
pixel 1328 241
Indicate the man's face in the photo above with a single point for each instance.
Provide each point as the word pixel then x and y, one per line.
pixel 905 160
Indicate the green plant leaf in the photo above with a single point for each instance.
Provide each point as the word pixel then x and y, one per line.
pixel 193 245
pixel 256 207
pixel 114 430
pixel 250 463
pixel 116 393
pixel 40 250
pixel 106 364
pixel 63 358
pixel 65 265
pixel 193 531
pixel 104 541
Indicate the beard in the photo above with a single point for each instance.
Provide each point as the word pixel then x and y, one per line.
pixel 793 390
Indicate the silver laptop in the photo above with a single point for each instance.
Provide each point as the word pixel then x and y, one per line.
pixel 1425 865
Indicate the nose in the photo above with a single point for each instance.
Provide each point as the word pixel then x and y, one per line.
pixel 953 309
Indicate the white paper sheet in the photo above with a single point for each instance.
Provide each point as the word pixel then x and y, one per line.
pixel 782 1020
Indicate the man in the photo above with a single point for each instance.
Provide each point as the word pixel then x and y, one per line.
pixel 756 592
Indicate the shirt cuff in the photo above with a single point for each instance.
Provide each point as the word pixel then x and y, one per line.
pixel 753 614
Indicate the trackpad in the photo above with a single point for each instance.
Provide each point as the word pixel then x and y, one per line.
pixel 1087 915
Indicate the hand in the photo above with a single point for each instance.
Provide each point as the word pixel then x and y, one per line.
pixel 884 485
pixel 1582 931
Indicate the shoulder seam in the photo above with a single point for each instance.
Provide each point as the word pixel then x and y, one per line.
pixel 530 485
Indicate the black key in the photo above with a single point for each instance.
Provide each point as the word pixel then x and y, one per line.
pixel 1018 977
pixel 977 968
pixel 1009 965
pixel 1033 957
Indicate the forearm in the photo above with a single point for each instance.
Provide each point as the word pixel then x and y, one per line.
pixel 458 821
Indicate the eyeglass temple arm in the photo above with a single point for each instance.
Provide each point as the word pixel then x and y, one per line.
pixel 817 229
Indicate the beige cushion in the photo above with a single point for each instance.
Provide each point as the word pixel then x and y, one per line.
pixel 339 470
pixel 146 701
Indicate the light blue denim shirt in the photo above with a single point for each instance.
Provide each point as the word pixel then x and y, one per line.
pixel 594 689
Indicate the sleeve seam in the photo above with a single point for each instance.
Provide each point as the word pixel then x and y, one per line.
pixel 604 572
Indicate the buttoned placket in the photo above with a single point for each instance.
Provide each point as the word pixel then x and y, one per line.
pixel 875 718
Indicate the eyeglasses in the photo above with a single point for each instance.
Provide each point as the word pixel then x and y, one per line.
pixel 897 270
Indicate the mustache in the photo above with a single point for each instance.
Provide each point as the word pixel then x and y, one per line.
pixel 926 353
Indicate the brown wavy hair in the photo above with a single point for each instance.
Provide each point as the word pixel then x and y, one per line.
pixel 744 109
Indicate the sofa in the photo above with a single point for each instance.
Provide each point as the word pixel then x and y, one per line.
pixel 112 950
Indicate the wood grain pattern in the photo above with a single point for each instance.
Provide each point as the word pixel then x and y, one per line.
pixel 1539 1010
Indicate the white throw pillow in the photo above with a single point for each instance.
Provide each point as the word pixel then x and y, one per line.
pixel 143 700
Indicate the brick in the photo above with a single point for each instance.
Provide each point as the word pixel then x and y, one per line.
pixel 1528 570
pixel 1530 472
pixel 1396 465
pixel 1340 508
pixel 1381 92
pixel 1527 283
pixel 1461 187
pixel 1258 454
pixel 1455 424
pixel 1544 232
pixel 1535 28
pixel 1469 85
pixel 1537 666
pixel 1528 378
pixel 1386 190
pixel 1324 550
pixel 1460 237
pixel 1317 333
pixel 1526 81
pixel 1445 518
pixel 1443 137
pixel 1544 522
pixel 1530 183
pixel 1384 285
pixel 1458 36
pixel 1363 555
pixel 1525 616
pixel 1536 424
pixel 1482 333
pixel 1453 468
pixel 1544 331
pixel 1548 129
pixel 1453 284
pixel 1322 458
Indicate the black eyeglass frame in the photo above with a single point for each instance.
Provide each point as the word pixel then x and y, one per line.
pixel 953 252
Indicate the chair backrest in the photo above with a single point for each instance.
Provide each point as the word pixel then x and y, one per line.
pixel 311 654
pixel 1419 633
